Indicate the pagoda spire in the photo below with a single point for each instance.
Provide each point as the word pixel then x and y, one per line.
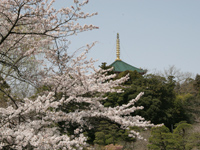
pixel 118 48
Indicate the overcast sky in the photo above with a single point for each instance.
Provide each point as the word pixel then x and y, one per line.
pixel 154 34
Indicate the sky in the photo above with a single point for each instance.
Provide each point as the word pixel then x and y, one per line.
pixel 154 34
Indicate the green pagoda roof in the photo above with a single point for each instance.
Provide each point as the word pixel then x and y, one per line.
pixel 120 66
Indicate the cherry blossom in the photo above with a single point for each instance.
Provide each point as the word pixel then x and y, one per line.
pixel 33 28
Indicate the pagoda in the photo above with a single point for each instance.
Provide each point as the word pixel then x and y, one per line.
pixel 120 66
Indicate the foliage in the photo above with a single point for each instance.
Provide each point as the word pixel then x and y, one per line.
pixel 110 133
pixel 193 141
pixel 166 100
pixel 162 139
pixel 197 83
pixel 181 139
pixel 189 98
pixel 160 102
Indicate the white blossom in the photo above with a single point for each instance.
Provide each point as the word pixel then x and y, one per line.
pixel 29 28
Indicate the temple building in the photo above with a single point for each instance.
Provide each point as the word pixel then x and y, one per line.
pixel 120 66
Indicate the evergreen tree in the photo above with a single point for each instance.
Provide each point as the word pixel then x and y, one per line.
pixel 181 139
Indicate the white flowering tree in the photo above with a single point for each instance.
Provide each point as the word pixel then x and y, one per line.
pixel 29 28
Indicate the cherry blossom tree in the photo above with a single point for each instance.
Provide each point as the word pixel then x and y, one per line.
pixel 29 28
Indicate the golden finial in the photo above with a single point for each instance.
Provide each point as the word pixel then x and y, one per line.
pixel 118 48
